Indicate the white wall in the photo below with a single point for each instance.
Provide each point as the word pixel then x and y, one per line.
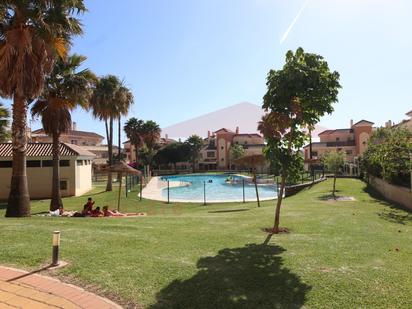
pixel 40 179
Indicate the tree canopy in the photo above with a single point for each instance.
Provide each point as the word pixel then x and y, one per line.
pixel 297 96
pixel 389 155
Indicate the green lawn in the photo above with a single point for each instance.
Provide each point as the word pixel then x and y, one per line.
pixel 338 254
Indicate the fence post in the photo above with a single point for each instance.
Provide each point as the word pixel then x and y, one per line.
pixel 243 184
pixel 126 185
pixel 141 187
pixel 204 192
pixel 168 192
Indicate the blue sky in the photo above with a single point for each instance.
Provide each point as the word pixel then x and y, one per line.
pixel 183 58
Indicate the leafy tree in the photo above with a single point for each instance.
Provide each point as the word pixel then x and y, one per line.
pixel 65 89
pixel 334 161
pixel 32 34
pixel 236 151
pixel 297 96
pixel 4 123
pixel 388 155
pixel 109 101
pixel 195 143
pixel 173 153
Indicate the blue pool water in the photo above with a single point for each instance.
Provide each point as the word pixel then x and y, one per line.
pixel 216 188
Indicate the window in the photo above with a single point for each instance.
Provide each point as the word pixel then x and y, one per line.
pixel 64 162
pixel 63 185
pixel 210 154
pixel 79 162
pixel 5 164
pixel 337 139
pixel 222 147
pixel 348 152
pixel 223 159
pixel 47 163
pixel 33 163
pixel 73 141
pixel 314 153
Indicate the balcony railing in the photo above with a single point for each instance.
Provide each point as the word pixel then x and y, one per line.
pixel 340 144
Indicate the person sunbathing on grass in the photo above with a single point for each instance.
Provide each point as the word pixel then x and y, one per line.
pixel 114 213
pixel 97 212
pixel 109 213
pixel 86 212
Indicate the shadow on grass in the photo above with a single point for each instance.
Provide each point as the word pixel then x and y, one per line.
pixel 329 195
pixel 394 212
pixel 228 210
pixel 249 277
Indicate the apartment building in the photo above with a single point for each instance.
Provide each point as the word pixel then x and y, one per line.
pixel 216 152
pixel 353 141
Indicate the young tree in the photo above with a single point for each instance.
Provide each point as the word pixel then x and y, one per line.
pixel 66 88
pixel 32 34
pixel 297 96
pixel 195 143
pixel 4 123
pixel 334 161
pixel 236 151
pixel 253 162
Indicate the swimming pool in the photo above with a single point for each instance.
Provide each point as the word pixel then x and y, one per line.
pixel 191 188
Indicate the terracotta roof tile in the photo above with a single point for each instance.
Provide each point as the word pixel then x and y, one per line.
pixel 74 133
pixel 45 150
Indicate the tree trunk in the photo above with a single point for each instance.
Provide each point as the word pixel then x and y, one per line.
pixel 334 186
pixel 56 200
pixel 120 140
pixel 110 148
pixel 256 188
pixel 310 152
pixel 194 163
pixel 279 204
pixel 19 200
pixel 282 187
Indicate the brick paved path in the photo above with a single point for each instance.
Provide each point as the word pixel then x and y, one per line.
pixel 20 289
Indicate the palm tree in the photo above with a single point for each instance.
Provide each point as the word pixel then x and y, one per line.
pixel 4 123
pixel 32 33
pixel 65 88
pixel 195 142
pixel 133 128
pixel 124 99
pixel 150 135
pixel 105 107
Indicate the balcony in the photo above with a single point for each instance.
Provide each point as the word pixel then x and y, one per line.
pixel 341 144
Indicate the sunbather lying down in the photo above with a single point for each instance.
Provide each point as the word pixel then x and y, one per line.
pixel 114 213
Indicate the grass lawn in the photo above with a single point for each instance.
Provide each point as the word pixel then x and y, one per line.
pixel 353 254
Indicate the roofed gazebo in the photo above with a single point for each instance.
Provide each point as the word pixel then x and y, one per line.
pixel 122 168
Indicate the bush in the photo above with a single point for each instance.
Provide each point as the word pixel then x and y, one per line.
pixel 389 156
